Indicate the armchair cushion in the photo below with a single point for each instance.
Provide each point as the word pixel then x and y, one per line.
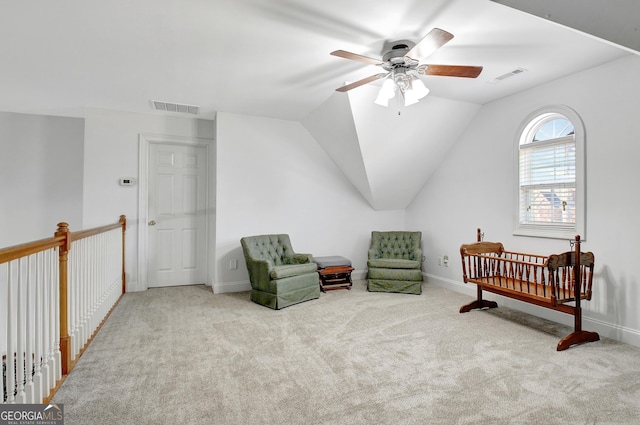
pixel 395 274
pixel 393 263
pixel 278 272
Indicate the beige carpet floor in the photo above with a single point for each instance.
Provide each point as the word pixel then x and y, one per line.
pixel 185 356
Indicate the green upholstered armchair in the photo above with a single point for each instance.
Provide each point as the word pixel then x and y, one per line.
pixel 395 262
pixel 279 276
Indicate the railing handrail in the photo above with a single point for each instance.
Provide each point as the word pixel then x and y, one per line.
pixel 81 234
pixel 14 252
pixel 23 250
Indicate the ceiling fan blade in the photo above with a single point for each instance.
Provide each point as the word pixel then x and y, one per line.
pixel 353 56
pixel 361 82
pixel 429 44
pixel 453 71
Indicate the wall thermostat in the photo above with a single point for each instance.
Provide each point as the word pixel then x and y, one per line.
pixel 127 181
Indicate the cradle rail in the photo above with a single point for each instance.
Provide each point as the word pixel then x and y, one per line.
pixel 546 281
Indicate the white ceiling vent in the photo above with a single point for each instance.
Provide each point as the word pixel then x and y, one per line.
pixel 175 107
pixel 507 75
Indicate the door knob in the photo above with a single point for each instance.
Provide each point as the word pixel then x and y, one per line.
pixel 152 223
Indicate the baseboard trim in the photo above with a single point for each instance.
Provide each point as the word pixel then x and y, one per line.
pixel 134 287
pixel 226 287
pixel 358 275
pixel 604 328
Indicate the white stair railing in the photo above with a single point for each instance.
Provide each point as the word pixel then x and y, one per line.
pixel 55 294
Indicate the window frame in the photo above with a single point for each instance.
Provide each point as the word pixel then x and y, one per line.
pixel 552 230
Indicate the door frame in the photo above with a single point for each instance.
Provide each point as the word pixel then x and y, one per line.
pixel 146 139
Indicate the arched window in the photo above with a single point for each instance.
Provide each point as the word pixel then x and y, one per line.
pixel 550 163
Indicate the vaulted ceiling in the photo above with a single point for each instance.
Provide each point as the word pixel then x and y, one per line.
pixel 271 58
pixel 617 22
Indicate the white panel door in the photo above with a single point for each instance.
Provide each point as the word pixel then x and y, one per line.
pixel 177 204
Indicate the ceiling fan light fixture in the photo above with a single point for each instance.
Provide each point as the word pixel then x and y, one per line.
pixel 381 100
pixel 402 80
pixel 386 93
pixel 411 88
pixel 388 88
pixel 410 98
pixel 415 92
pixel 419 88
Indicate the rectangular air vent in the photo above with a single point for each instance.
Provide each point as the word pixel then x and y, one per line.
pixel 507 75
pixel 175 107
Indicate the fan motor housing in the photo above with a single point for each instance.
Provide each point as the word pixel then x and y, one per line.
pixel 396 51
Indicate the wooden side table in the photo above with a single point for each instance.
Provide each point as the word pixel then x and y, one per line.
pixel 335 278
pixel 334 272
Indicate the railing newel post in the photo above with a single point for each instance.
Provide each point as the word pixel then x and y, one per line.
pixel 63 255
pixel 123 221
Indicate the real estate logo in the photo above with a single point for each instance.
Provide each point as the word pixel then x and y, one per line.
pixel 31 414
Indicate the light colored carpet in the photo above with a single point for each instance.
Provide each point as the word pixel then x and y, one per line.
pixel 186 356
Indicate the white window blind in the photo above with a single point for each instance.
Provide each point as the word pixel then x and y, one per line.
pixel 549 172
pixel 548 182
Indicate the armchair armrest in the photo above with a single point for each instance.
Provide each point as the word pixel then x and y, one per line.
pixel 418 255
pixel 259 271
pixel 301 258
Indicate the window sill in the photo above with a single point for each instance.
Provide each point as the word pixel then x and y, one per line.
pixel 548 232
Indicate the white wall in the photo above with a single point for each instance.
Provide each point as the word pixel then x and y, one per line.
pixel 40 176
pixel 474 188
pixel 273 177
pixel 111 152
pixel 40 184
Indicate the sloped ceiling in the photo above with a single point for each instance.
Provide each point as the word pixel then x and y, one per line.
pixel 332 125
pixel 388 153
pixel 616 21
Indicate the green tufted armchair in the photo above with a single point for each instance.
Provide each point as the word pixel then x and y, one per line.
pixel 395 262
pixel 279 276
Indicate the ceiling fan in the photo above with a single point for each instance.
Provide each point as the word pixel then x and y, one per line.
pixel 402 61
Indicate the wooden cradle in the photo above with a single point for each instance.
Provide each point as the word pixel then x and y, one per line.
pixel 548 281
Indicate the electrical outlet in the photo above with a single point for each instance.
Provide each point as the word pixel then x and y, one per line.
pixel 233 264
pixel 439 261
pixel 445 260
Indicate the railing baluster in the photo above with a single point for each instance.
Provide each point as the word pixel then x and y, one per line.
pixel 73 291
pixel 82 269
pixel 56 328
pixel 20 331
pixel 37 335
pixel 46 290
pixel 29 366
pixel 11 372
pixel 51 323
pixel 81 245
